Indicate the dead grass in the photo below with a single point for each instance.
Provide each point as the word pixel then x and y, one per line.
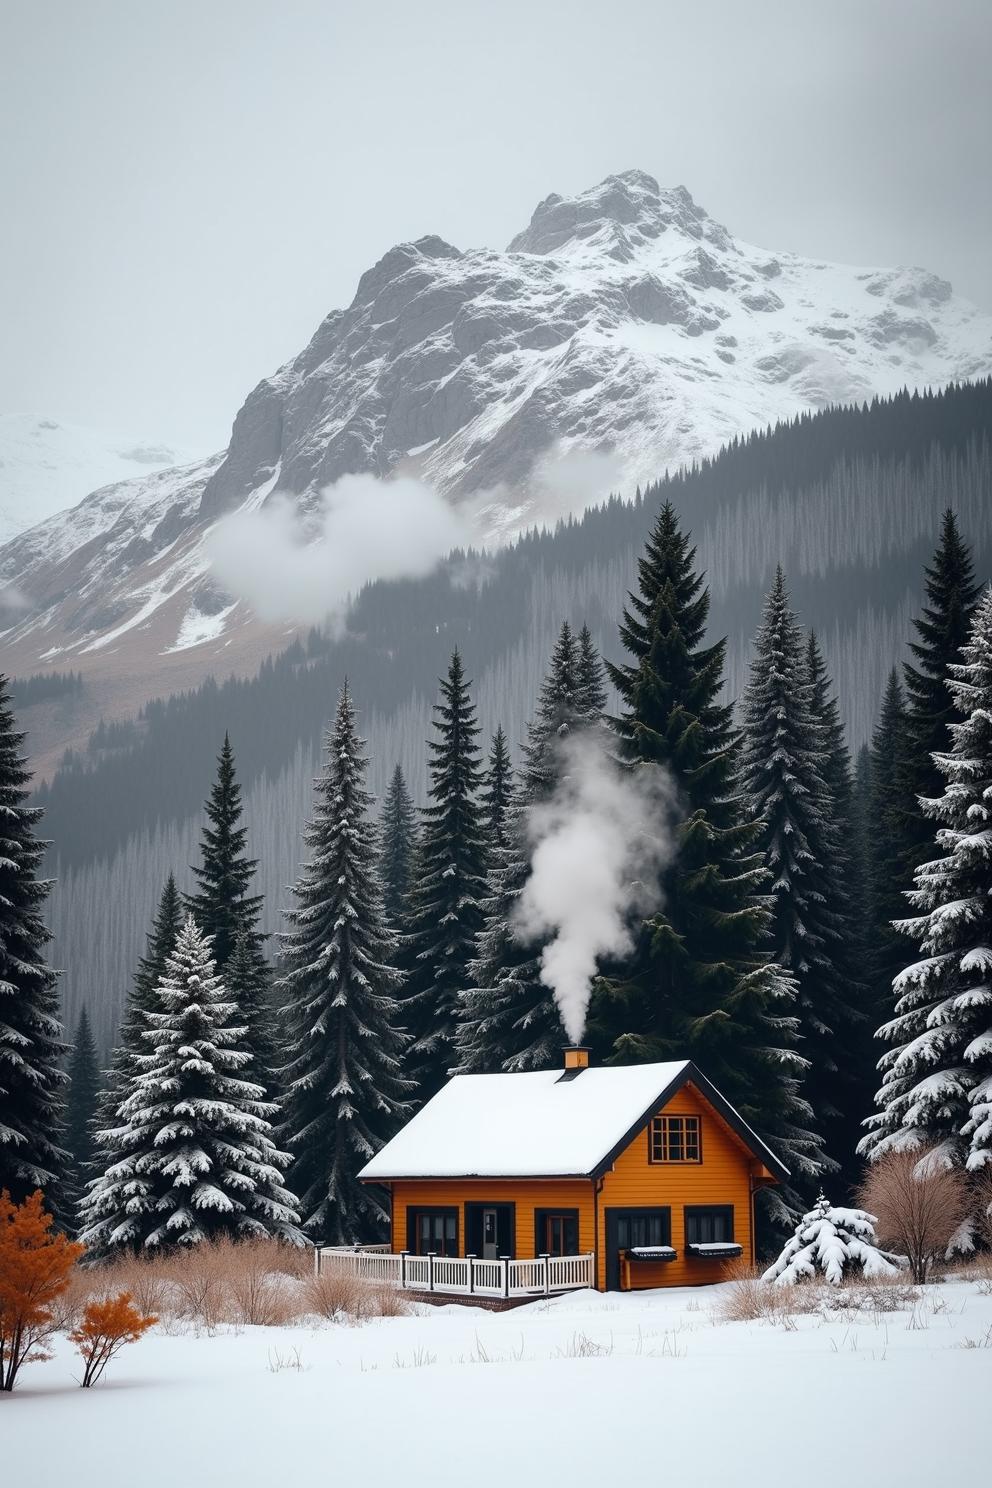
pixel 239 1284
pixel 749 1299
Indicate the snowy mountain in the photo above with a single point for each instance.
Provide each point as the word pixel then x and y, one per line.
pixel 623 321
pixel 47 466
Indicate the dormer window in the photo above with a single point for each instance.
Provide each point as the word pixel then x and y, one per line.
pixel 674 1139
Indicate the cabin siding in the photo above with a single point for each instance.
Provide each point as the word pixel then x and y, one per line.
pixel 723 1177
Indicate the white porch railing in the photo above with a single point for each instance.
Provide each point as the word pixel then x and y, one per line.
pixel 467 1276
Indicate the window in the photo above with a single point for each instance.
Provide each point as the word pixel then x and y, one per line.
pixel 556 1232
pixel 433 1230
pixel 644 1227
pixel 709 1226
pixel 674 1139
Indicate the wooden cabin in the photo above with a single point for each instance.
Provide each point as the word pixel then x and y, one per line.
pixel 644 1171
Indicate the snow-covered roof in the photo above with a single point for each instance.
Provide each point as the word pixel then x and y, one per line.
pixel 539 1124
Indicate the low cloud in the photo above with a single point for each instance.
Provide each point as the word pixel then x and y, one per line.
pixel 597 850
pixel 307 570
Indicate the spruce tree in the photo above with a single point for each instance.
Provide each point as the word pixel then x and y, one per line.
pixel 496 797
pixel 226 912
pixel 942 629
pixel 508 1018
pixel 886 900
pixel 399 845
pixel 700 983
pixel 591 700
pixel 80 1114
pixel 346 1092
pixel 195 1158
pixel 937 1076
pixel 32 1079
pixel 446 904
pixel 784 762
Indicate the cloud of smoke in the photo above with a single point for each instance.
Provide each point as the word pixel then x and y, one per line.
pixel 364 529
pixel 597 848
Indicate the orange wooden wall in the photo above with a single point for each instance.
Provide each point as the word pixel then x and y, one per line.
pixel 723 1177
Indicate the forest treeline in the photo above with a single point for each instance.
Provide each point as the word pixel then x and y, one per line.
pixel 847 499
pixel 245 1092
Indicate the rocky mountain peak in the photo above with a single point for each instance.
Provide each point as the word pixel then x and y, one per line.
pixel 628 209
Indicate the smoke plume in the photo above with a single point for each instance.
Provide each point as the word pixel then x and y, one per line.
pixel 597 848
pixel 364 529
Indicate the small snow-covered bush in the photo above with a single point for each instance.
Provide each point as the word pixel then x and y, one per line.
pixel 834 1244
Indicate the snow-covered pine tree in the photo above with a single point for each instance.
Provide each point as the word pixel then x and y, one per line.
pixel 837 1244
pixel 700 983
pixel 942 629
pixel 782 763
pixel 446 904
pixel 160 943
pixel 508 1018
pixel 32 1079
pixel 226 912
pixel 80 1115
pixel 399 847
pixel 195 1154
pixel 937 1085
pixel 345 1089
pixel 496 796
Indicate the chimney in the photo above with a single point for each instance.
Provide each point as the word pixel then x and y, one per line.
pixel 576 1057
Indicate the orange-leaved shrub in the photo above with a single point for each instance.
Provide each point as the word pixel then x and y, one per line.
pixel 107 1325
pixel 36 1263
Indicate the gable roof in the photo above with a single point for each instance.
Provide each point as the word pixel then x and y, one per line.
pixel 539 1125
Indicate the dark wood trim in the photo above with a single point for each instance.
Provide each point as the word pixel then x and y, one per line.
pixel 540 1217
pixel 687 1209
pixel 677 1162
pixel 413 1210
pixel 613 1211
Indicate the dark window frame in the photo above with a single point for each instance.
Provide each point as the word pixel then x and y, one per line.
pixel 413 1213
pixel 700 1211
pixel 671 1162
pixel 542 1215
pixel 645 1211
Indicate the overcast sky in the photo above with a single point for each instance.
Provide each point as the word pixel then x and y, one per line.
pixel 188 188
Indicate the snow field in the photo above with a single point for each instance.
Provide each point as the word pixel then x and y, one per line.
pixel 587 1387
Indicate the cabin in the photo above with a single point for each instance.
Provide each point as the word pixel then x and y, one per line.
pixel 618 1178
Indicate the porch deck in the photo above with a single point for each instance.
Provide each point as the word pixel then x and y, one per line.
pixel 463 1276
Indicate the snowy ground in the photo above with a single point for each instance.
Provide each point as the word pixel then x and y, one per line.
pixel 460 1396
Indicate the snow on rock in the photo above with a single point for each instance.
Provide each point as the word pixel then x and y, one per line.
pixel 835 1243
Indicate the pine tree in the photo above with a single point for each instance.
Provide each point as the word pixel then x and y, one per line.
pixel 446 905
pixel 31 1048
pixel 937 1077
pixel 399 846
pixel 226 912
pixel 508 1018
pixel 700 982
pixel 195 1157
pixel 345 1089
pixel 837 1244
pixel 496 797
pixel 942 629
pixel 783 777
pixel 591 700
pixel 80 1114
pixel 887 789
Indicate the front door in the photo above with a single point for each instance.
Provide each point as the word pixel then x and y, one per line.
pixel 490 1230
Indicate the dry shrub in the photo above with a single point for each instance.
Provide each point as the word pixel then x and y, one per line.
pixel 981 1184
pixel 257 1294
pixel 879 1294
pixel 335 1293
pixel 919 1204
pixel 748 1298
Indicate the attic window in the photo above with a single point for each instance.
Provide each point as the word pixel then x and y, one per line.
pixel 674 1139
